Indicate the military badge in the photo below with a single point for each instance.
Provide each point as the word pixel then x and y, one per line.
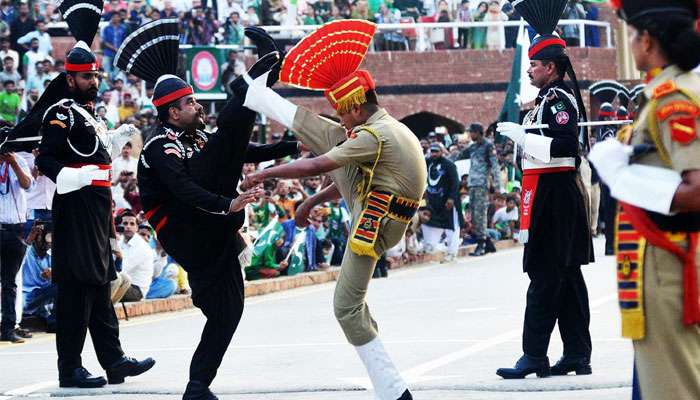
pixel 562 117
pixel 683 130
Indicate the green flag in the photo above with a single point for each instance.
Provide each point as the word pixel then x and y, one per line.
pixel 297 253
pixel 510 112
pixel 266 239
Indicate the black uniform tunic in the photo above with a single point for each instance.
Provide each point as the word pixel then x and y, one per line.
pixel 187 183
pixel 82 218
pixel 559 236
pixel 82 262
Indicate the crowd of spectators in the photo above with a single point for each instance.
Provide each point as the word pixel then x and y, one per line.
pixel 279 246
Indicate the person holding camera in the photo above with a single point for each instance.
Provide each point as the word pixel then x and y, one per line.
pixel 15 179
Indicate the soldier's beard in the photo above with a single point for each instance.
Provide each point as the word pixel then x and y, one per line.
pixel 83 97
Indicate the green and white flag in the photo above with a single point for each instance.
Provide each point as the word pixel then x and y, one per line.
pixel 267 237
pixel 520 91
pixel 297 253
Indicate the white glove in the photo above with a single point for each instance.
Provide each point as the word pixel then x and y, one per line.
pixel 512 131
pixel 266 101
pixel 609 157
pixel 71 179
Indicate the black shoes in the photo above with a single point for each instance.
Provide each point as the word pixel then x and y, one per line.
pixel 81 378
pixel 525 366
pixel 490 247
pixel 406 396
pixel 196 390
pixel 578 364
pixel 11 336
pixel 479 251
pixel 128 367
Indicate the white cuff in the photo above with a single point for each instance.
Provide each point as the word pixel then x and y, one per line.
pixel 266 101
pixel 68 180
pixel 387 382
pixel 650 188
pixel 538 146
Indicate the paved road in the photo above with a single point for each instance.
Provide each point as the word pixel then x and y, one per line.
pixel 448 327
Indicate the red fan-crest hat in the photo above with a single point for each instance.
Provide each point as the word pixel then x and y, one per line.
pixel 328 59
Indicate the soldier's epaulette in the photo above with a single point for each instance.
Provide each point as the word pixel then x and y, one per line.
pixel 664 89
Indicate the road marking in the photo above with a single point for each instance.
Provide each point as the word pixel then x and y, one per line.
pixel 25 390
pixel 471 310
pixel 422 369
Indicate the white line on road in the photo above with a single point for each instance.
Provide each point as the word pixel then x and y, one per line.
pixel 471 310
pixel 418 371
pixel 25 390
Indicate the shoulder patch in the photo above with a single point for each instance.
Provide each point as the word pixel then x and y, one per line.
pixel 677 107
pixel 175 152
pixel 562 117
pixel 60 116
pixel 58 123
pixel 684 130
pixel 664 89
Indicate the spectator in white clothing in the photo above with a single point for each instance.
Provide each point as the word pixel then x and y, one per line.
pixel 504 220
pixel 41 34
pixel 15 179
pixel 125 162
pixel 137 260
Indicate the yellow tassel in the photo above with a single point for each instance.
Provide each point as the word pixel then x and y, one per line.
pixel 363 249
pixel 633 324
pixel 355 98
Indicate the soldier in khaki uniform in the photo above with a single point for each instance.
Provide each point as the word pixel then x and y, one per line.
pixel 377 166
pixel 659 193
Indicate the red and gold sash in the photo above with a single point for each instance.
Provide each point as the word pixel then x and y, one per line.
pixel 634 230
pixel 531 178
pixel 630 246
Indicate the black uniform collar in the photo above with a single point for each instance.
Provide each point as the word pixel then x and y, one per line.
pixel 178 131
pixel 559 84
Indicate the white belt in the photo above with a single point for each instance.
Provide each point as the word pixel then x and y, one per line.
pixel 533 163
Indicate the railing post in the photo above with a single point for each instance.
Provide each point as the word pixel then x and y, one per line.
pixel 582 34
pixel 421 44
pixel 608 33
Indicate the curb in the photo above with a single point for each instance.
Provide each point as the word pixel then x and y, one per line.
pixel 261 287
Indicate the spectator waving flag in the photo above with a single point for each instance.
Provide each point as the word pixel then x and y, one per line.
pixel 297 252
pixel 267 238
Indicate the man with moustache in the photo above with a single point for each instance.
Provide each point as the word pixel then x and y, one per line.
pixel 74 154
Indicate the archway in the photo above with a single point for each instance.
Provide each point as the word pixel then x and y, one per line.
pixel 424 122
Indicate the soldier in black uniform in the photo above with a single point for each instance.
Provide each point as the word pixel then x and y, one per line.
pixel 187 180
pixel 74 153
pixel 608 203
pixel 554 219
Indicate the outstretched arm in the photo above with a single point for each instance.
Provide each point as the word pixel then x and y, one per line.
pixel 297 169
pixel 327 194
pixel 265 152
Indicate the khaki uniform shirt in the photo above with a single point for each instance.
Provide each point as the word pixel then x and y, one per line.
pixel 401 167
pixel 668 108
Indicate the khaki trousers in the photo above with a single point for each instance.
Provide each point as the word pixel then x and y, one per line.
pixel 668 357
pixel 349 305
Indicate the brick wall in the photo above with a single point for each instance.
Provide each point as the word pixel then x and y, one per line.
pixel 472 74
pixel 463 85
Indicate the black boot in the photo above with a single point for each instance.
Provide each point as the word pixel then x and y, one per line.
pixel 128 367
pixel 81 378
pixel 581 365
pixel 525 366
pixel 490 247
pixel 196 390
pixel 406 396
pixel 266 44
pixel 479 251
